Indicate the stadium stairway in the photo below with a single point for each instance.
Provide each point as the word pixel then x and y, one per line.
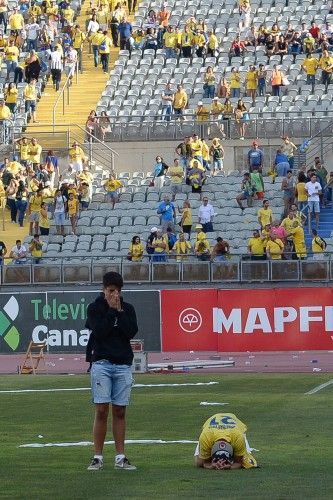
pixel 84 95
pixel 325 226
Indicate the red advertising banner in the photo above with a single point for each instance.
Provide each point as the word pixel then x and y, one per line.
pixel 247 320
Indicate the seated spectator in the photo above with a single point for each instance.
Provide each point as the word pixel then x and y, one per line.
pixel 281 48
pixel 138 40
pixel 309 44
pixel 176 174
pixel 202 248
pixel 186 220
pixel 151 20
pixel 256 246
pixel 35 249
pixel 112 186
pixel 270 45
pixel 220 250
pixel 246 192
pixel 182 248
pixel 274 248
pixel 159 171
pixel 237 48
pixel 318 246
pixel 150 40
pixel 167 213
pixel 281 163
pixel 163 16
pixel 265 214
pixel 295 45
pixel 136 250
pixel 160 246
pixel 3 251
pixel 18 253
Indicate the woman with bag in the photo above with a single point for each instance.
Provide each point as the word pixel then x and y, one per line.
pixel 159 172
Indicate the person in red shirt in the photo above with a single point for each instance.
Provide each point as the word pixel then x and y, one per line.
pixel 314 30
pixel 237 48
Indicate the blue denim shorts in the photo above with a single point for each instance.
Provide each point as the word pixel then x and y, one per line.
pixel 111 383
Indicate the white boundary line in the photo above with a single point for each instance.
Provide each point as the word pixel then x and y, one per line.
pixel 319 387
pixel 137 386
pixel 90 443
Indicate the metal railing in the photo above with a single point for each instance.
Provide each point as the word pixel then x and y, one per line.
pixel 65 90
pixel 233 270
pixel 6 131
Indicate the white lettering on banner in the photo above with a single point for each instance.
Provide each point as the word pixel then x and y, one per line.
pixel 58 338
pixel 263 324
pixel 257 318
pixel 220 321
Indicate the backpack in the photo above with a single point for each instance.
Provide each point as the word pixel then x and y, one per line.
pixel 321 242
pixel 103 45
pixel 172 238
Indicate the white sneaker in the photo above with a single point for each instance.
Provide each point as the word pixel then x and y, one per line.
pixel 124 464
pixel 95 464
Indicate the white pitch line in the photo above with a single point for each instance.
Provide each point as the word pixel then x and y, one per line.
pixel 90 443
pixel 319 387
pixel 207 403
pixel 137 386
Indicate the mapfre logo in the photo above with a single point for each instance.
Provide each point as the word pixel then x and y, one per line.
pixel 190 320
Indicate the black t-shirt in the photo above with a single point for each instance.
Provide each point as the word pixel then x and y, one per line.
pixel 2 248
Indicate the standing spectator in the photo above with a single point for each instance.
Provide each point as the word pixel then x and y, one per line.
pixel 160 246
pixel 217 153
pixel 11 199
pixel 326 66
pixel 261 75
pixel 22 195
pixel 77 157
pixel 16 22
pixel 246 192
pixel 289 148
pixel 252 82
pixel 35 248
pixel 136 250
pixel 52 166
pixel 149 245
pixel 176 174
pixel 56 67
pixel 113 324
pixel 241 117
pixel 30 99
pixel 104 125
pixel 221 250
pixel 209 83
pixel 186 220
pixel 318 245
pixel 167 213
pixel 11 95
pixel 288 189
pixel 159 171
pixel 206 216
pixel 44 222
pixel 3 250
pixel 73 210
pixel 11 57
pixel 298 240
pixel 112 186
pixel 265 214
pixel 213 44
pixel 255 158
pixel 32 67
pixel 196 177
pixel 170 42
pixel 276 80
pixel 235 82
pixel 60 208
pixel 125 33
pixel 91 125
pixel 18 253
pixel 199 42
pixel 32 34
pixel 5 115
pixel 281 163
pixel 185 152
pixel 168 96
pixel 78 39
pixel 245 14
pixel 180 102
pixel 223 88
pixel 96 39
pixel 274 248
pixel 34 208
pixel 182 248
pixel 300 192
pixel 4 14
pixel 104 50
pixel 313 188
pixel 35 153
pixel 202 247
pixel 70 63
pixel 256 246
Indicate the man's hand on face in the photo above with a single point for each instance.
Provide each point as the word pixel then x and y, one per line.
pixel 113 299
pixel 221 465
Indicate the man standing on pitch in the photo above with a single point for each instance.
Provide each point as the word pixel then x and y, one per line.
pixel 113 324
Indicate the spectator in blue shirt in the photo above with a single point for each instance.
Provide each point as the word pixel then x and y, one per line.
pixel 125 33
pixel 167 212
pixel 255 158
pixel 281 163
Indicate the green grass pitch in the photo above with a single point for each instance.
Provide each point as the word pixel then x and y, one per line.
pixel 293 432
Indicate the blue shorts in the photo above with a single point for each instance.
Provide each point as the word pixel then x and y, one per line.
pixel 111 195
pixel 59 218
pixel 314 206
pixel 111 383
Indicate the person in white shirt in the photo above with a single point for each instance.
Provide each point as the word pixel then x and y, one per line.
pixel 60 208
pixel 206 216
pixel 56 67
pixel 32 34
pixel 70 62
pixel 18 253
pixel 313 188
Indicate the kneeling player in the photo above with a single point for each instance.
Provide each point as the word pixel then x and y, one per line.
pixel 223 444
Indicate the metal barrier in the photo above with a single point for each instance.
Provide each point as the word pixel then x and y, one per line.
pixel 233 270
pixel 66 86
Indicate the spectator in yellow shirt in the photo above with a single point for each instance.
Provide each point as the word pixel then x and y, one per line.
pixel 186 42
pixel 202 112
pixel 235 82
pixel 136 250
pixel 16 22
pixel 78 39
pixel 180 102
pixel 104 50
pixel 34 209
pixel 265 214
pixel 30 99
pixel 73 209
pixel 170 43
pixel 35 248
pixel 11 57
pixel 111 187
pixel 182 248
pixel 35 152
pixel 310 66
pixel 326 66
pixel 256 246
pixel 77 157
pixel 5 115
pixel 274 248
pixel 213 44
pixel 11 97
pixel 199 41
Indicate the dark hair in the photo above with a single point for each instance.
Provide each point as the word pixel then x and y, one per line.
pixel 264 201
pixel 113 278
pixel 18 241
pixel 314 232
pixel 301 177
pixel 36 235
pixel 219 239
pixel 134 238
pixel 289 171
